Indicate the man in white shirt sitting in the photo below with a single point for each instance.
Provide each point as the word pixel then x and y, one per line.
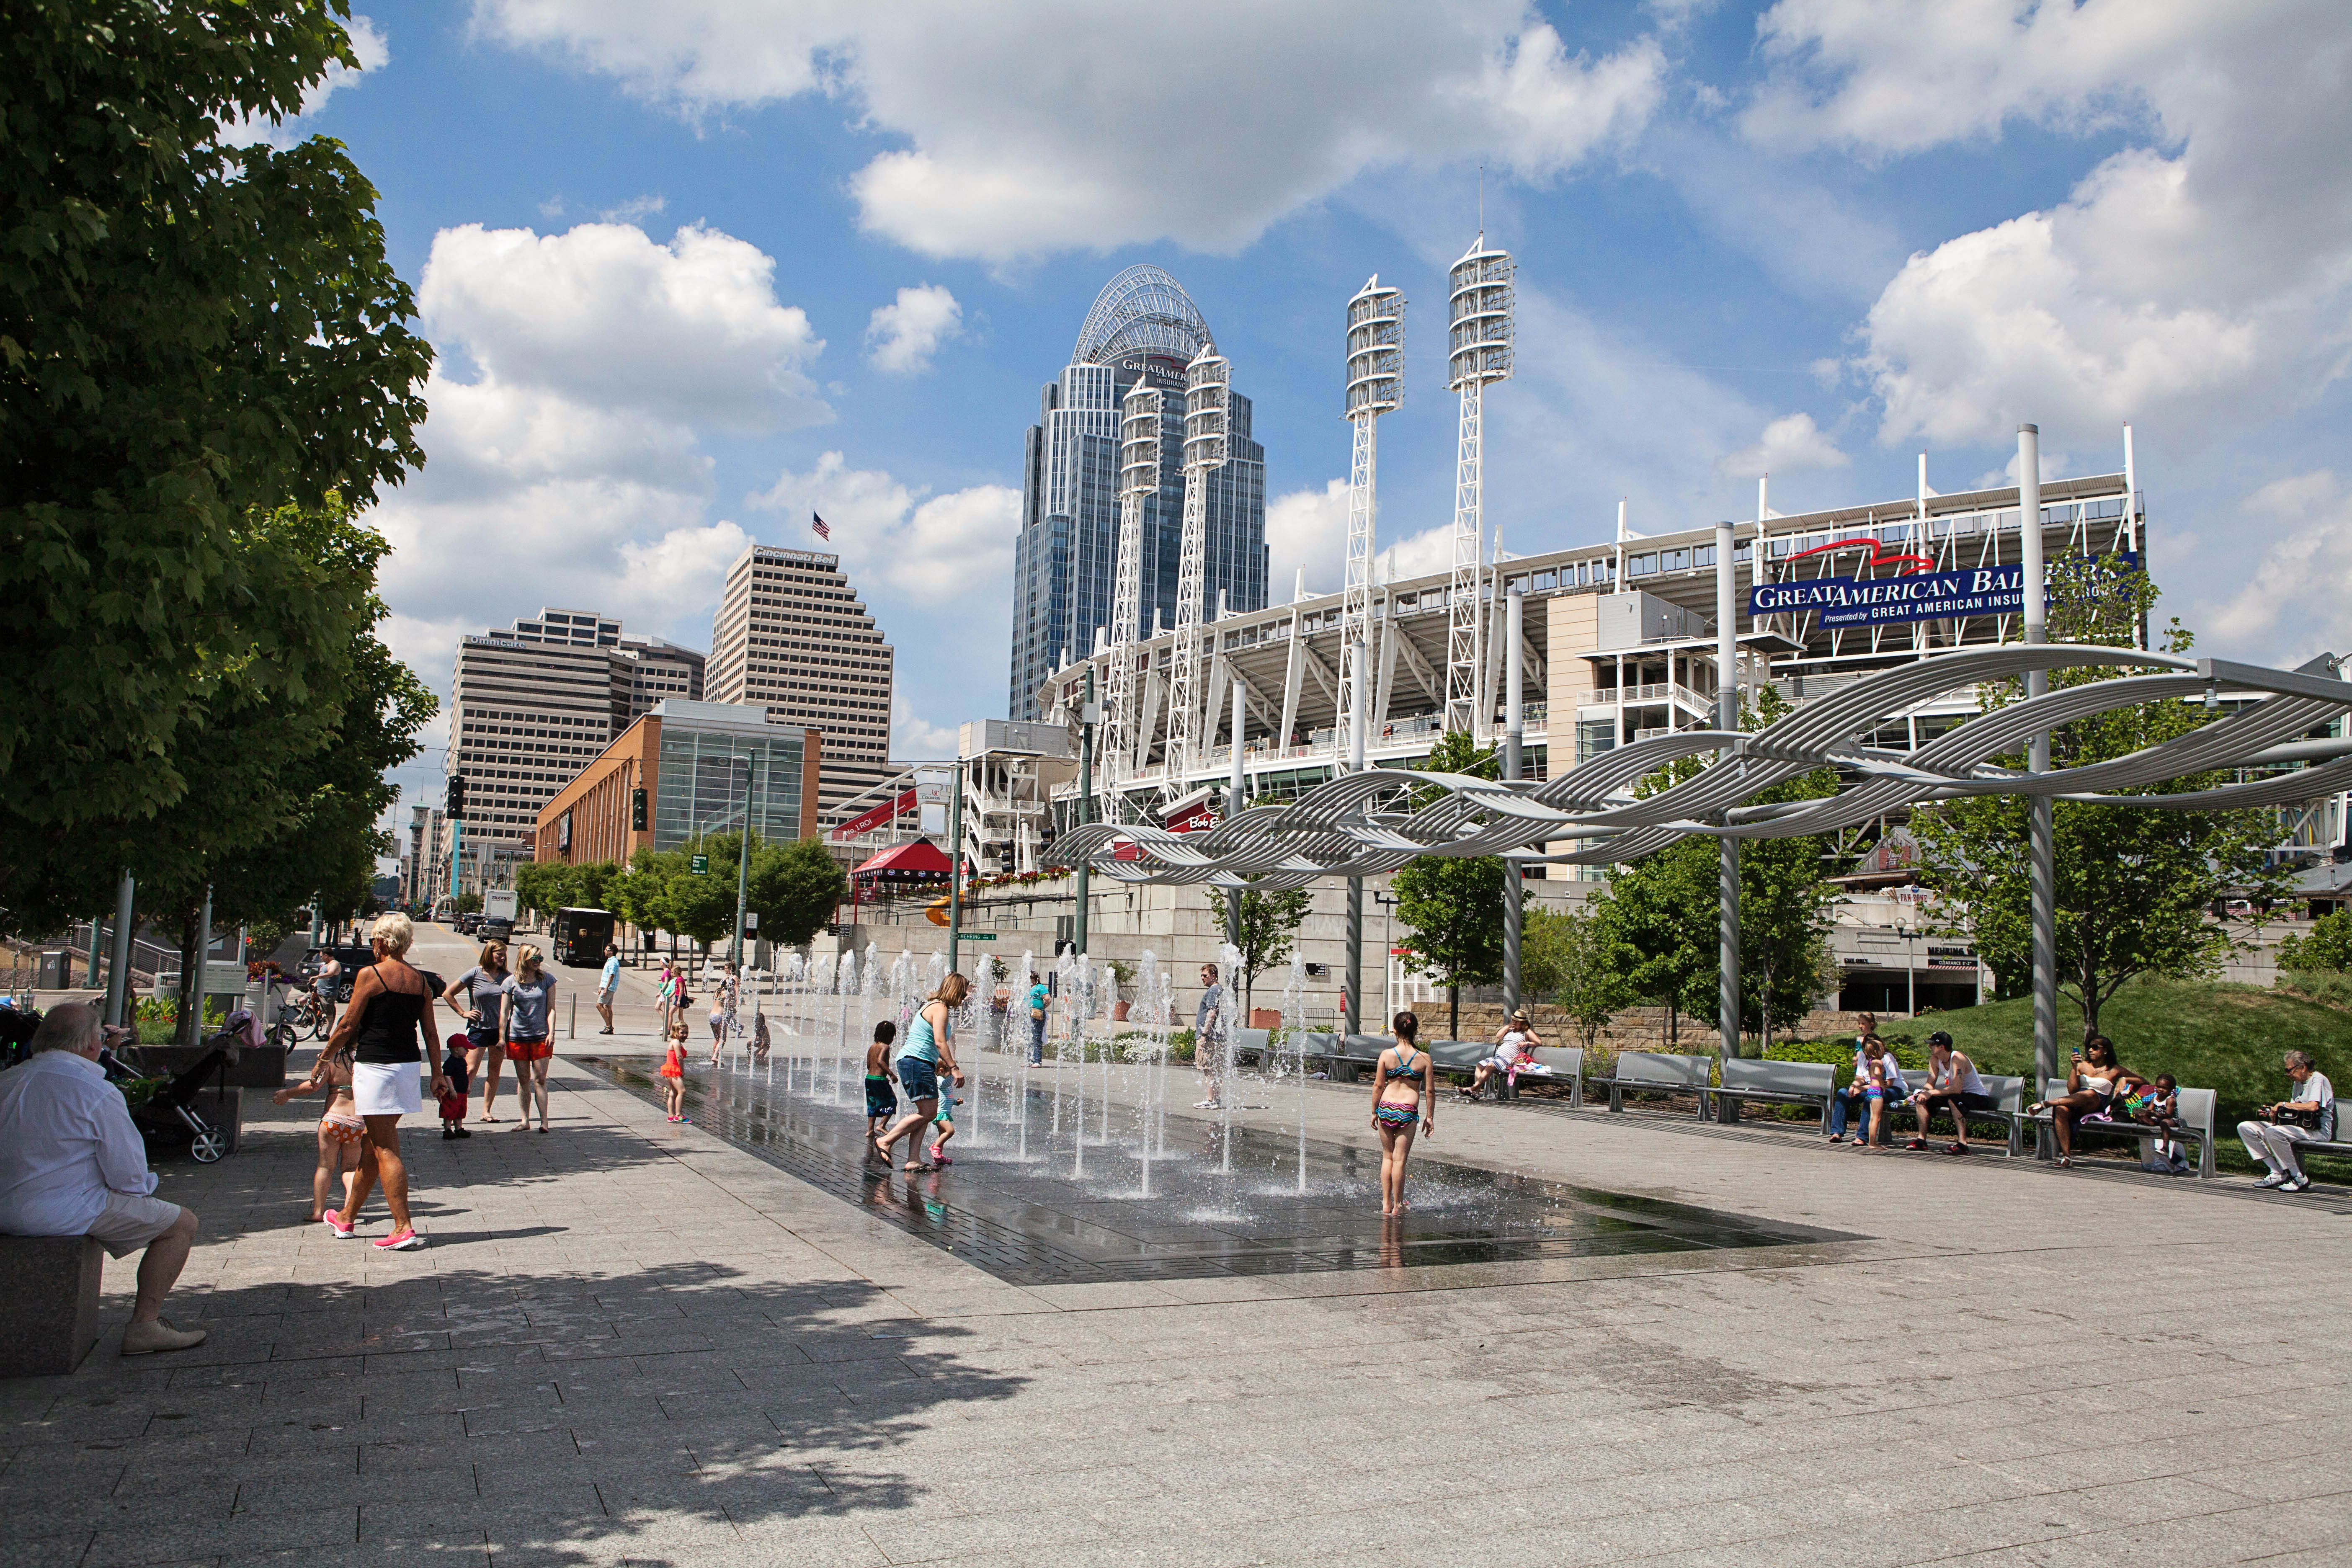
pixel 2308 1117
pixel 72 1163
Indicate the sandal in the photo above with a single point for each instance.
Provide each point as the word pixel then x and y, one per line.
pixel 2065 1161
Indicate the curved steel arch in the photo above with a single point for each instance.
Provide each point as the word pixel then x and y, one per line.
pixel 1362 825
pixel 1142 310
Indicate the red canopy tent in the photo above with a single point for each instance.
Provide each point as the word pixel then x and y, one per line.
pixel 917 860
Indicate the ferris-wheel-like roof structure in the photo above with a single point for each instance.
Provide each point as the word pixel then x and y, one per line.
pixel 1141 311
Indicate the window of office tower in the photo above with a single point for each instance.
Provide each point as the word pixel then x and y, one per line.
pixel 703 784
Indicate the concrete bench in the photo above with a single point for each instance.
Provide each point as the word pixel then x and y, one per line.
pixel 50 1283
pixel 1658 1072
pixel 1779 1083
pixel 2198 1109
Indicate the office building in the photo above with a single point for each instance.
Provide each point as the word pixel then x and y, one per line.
pixel 793 637
pixel 1144 328
pixel 691 760
pixel 649 671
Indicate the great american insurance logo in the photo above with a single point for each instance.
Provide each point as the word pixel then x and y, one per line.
pixel 1916 591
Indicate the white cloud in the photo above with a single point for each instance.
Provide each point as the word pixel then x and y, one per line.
pixel 374 52
pixel 901 337
pixel 636 209
pixel 2201 276
pixel 2299 597
pixel 1789 443
pixel 1306 528
pixel 927 552
pixel 1028 128
pixel 915 739
pixel 689 330
pixel 569 470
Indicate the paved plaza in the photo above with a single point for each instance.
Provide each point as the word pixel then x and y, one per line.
pixel 634 1343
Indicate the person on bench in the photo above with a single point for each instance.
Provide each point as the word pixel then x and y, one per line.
pixel 72 1163
pixel 1852 1103
pixel 1953 1086
pixel 2306 1116
pixel 2093 1084
pixel 1513 1041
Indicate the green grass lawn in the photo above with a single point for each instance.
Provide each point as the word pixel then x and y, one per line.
pixel 2207 1034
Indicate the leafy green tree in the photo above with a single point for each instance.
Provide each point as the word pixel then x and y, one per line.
pixel 2133 886
pixel 640 897
pixel 1269 928
pixel 192 336
pixel 2327 946
pixel 543 885
pixel 1453 906
pixel 592 884
pixel 796 886
pixel 702 908
pixel 468 903
pixel 1664 910
pixel 1571 958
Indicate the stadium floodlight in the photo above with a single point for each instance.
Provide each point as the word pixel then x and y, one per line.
pixel 1375 386
pixel 1208 384
pixel 1478 313
pixel 1139 482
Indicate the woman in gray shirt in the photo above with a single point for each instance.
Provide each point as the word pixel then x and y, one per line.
pixel 528 1005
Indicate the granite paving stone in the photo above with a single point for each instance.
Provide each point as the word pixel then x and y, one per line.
pixel 636 1342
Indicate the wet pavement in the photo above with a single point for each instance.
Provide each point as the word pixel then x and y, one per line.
pixel 1210 1203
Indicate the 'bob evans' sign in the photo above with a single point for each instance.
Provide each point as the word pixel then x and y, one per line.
pixel 1918 596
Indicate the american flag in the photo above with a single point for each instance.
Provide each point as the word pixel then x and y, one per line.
pixel 818 523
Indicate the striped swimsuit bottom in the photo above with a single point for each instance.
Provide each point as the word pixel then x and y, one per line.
pixel 1396 1115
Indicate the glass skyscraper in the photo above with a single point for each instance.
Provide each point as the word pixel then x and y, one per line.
pixel 1143 327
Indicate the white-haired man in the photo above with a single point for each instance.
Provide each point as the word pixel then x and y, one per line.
pixel 2308 1118
pixel 72 1163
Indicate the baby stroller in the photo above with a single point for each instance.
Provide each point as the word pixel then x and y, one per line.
pixel 169 1116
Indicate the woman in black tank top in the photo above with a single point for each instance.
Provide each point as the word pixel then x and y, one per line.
pixel 384 1026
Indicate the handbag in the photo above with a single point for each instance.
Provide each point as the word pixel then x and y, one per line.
pixel 2304 1116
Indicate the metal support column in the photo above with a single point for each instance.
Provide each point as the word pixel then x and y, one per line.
pixel 955 865
pixel 2042 852
pixel 1087 716
pixel 1352 1021
pixel 1727 717
pixel 742 877
pixel 1234 786
pixel 1514 734
pixel 118 969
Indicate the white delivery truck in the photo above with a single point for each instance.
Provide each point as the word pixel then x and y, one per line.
pixel 498 913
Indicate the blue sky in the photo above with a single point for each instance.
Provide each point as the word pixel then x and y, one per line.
pixel 1819 237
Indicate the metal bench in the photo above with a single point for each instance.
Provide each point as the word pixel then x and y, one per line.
pixel 1658 1072
pixel 2007 1108
pixel 1250 1045
pixel 1552 1064
pixel 1776 1083
pixel 2198 1109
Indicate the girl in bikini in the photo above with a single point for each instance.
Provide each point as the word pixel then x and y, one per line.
pixel 1401 1106
pixel 339 1126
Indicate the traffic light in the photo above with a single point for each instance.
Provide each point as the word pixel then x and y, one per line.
pixel 636 811
pixel 456 809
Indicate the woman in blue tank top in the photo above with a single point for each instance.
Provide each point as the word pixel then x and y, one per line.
pixel 928 1051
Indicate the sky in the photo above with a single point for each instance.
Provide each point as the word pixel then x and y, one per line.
pixel 698 270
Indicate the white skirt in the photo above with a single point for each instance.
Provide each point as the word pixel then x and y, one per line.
pixel 381 1089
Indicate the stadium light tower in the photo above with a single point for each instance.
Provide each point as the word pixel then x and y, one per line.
pixel 1479 352
pixel 1139 480
pixel 1207 381
pixel 1375 386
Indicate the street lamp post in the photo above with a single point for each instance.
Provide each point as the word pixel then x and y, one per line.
pixel 742 870
pixel 955 869
pixel 1087 715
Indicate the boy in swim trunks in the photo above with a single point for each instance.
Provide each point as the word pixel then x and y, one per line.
pixel 881 1098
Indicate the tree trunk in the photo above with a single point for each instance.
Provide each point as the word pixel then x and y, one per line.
pixel 1454 1012
pixel 189 1029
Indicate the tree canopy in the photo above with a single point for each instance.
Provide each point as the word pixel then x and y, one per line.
pixel 203 353
pixel 2133 886
pixel 1269 928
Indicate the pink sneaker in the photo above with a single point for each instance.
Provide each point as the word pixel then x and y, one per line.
pixel 399 1241
pixel 938 1156
pixel 337 1229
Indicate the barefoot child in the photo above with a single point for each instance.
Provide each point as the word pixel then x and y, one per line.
pixel 881 1100
pixel 672 1073
pixel 453 1104
pixel 339 1126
